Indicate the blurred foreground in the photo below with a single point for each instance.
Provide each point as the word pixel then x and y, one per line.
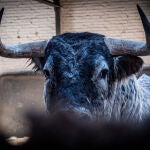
pixel 69 131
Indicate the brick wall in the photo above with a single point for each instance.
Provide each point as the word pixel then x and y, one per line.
pixel 24 21
pixel 114 18
pixel 29 20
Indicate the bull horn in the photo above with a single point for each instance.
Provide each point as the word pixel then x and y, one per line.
pixel 28 50
pixel 1 14
pixel 123 47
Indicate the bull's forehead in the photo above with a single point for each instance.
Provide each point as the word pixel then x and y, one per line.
pixel 77 53
pixel 72 43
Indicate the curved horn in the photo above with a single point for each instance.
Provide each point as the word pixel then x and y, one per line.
pixel 1 14
pixel 34 49
pixel 123 47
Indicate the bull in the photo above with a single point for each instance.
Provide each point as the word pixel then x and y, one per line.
pixel 91 74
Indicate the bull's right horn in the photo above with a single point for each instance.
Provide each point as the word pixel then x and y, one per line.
pixel 28 50
pixel 1 14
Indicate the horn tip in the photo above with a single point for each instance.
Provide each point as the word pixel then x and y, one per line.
pixel 137 5
pixel 139 8
pixel 2 10
pixel 1 14
pixel 142 14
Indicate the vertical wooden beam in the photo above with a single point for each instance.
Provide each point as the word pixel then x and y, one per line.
pixel 57 17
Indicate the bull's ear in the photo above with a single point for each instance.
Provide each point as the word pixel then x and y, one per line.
pixel 127 65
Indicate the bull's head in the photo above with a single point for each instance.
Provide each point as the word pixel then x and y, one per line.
pixel 81 69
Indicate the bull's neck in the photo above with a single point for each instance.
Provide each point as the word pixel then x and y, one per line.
pixel 127 103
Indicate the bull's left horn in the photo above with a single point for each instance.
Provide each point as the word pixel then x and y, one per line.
pixel 123 47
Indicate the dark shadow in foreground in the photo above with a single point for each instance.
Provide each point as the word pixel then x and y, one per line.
pixel 69 131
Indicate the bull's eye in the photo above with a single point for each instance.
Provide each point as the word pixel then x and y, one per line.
pixel 103 73
pixel 46 73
